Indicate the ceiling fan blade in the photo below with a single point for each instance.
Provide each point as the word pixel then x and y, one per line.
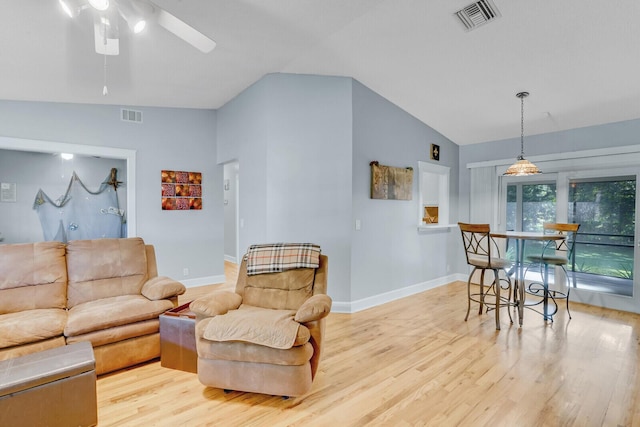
pixel 185 31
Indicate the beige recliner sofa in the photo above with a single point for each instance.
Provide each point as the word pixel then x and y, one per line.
pixel 106 291
pixel 266 337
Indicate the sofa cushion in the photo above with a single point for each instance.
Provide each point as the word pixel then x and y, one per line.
pixel 114 311
pixel 162 287
pixel 34 347
pixel 118 333
pixel 32 276
pixel 280 291
pixel 267 327
pixel 104 268
pixel 249 352
pixel 216 303
pixel 30 326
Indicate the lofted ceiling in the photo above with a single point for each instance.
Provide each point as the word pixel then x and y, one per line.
pixel 579 59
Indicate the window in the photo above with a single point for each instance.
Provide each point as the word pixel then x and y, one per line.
pixel 530 205
pixel 434 196
pixel 605 210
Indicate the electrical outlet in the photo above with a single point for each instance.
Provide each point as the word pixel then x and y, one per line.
pixel 185 271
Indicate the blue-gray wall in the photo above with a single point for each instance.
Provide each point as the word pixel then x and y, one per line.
pixel 168 138
pixel 292 137
pixel 304 144
pixel 388 252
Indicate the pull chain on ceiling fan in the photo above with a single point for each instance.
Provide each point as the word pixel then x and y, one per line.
pixel 105 90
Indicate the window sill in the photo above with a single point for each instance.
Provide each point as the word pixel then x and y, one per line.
pixel 435 227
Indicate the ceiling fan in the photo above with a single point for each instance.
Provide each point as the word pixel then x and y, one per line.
pixel 137 14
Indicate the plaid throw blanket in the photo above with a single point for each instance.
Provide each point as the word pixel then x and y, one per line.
pixel 278 257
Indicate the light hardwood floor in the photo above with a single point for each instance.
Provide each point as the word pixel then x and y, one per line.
pixel 416 362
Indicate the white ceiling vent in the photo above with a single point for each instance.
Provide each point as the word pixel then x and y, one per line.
pixel 477 14
pixel 133 116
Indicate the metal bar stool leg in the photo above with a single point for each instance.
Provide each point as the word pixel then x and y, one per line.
pixel 481 291
pixel 469 295
pixel 496 284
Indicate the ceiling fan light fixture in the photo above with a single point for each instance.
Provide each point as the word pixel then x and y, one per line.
pixel 71 7
pixel 135 20
pixel 139 26
pixel 99 4
pixel 522 166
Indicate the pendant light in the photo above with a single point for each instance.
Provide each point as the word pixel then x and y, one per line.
pixel 522 166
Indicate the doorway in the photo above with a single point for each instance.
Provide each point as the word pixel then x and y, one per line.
pixel 231 180
pixel 129 156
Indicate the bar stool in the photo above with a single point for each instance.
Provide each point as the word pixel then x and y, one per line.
pixel 483 254
pixel 556 253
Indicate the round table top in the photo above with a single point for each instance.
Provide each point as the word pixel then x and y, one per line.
pixel 527 235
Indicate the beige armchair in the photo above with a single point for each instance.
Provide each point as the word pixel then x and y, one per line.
pixel 266 337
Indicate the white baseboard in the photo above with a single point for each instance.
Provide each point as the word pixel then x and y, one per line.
pixel 230 259
pixel 201 281
pixel 359 305
pixel 375 300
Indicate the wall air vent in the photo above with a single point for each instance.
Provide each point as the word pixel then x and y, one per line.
pixel 477 14
pixel 133 116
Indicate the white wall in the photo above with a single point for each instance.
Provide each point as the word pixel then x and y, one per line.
pixel 168 138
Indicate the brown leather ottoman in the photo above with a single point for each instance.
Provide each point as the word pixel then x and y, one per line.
pixel 54 387
pixel 178 339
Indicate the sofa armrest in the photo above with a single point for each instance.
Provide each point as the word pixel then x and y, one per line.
pixel 216 303
pixel 315 308
pixel 162 287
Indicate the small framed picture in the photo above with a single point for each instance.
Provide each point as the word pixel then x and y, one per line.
pixel 8 192
pixel 435 152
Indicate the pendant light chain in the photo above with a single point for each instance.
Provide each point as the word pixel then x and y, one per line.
pixel 105 90
pixel 522 126
pixel 522 96
pixel 522 166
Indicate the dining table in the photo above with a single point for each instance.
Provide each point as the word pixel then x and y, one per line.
pixel 520 238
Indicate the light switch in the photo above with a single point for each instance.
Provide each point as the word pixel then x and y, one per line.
pixel 358 224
